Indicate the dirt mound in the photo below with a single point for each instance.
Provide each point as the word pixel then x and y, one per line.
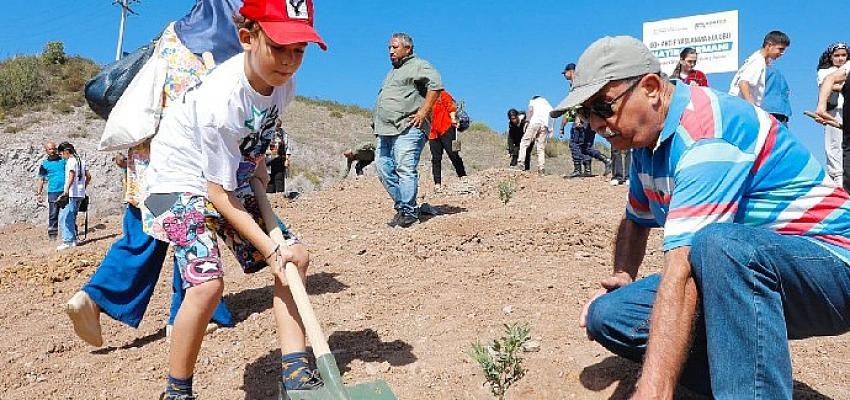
pixel 403 305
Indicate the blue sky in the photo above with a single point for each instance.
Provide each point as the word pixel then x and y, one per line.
pixel 494 54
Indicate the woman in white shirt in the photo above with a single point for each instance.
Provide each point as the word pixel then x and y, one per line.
pixel 77 178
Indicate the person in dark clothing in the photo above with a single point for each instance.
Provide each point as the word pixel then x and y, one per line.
pixel 516 128
pixel 582 138
pixel 277 161
pixel 361 158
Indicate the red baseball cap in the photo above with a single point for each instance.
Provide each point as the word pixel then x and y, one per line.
pixel 284 21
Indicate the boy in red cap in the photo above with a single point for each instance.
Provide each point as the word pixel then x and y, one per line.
pixel 207 151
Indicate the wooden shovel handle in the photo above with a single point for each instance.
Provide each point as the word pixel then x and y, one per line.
pixel 831 122
pixel 293 278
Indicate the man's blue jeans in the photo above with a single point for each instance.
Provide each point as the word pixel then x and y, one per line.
pixel 757 290
pixel 68 220
pixel 52 214
pixel 123 284
pixel 398 159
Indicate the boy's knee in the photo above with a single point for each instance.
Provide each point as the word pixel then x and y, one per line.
pixel 211 290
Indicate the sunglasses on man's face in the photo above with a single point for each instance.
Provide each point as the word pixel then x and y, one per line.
pixel 601 108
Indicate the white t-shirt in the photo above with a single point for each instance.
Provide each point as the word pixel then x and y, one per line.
pixel 78 186
pixel 539 109
pixel 823 73
pixel 204 137
pixel 753 72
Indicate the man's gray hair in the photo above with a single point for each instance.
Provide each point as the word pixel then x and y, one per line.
pixel 404 38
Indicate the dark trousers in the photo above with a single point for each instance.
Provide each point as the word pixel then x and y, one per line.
pixel 587 146
pixel 437 146
pixel 52 214
pixel 277 183
pixel 845 138
pixel 360 165
pixel 513 148
pixel 622 160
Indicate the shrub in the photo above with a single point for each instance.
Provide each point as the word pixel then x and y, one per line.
pixel 63 107
pixel 54 53
pixel 336 114
pixel 500 361
pixel 22 81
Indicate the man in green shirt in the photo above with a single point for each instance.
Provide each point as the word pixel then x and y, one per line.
pixel 402 118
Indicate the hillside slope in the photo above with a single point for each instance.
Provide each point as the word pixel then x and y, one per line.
pixel 397 304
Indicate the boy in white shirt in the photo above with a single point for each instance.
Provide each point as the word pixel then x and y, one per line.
pixel 748 82
pixel 207 151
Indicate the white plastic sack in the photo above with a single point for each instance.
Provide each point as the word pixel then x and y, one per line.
pixel 137 113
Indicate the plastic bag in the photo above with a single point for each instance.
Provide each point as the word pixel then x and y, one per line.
pixel 104 90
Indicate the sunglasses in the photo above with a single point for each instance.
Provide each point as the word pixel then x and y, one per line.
pixel 604 109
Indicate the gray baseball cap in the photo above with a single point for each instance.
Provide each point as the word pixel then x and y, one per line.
pixel 606 60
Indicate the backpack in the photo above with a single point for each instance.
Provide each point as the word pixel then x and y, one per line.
pixel 462 118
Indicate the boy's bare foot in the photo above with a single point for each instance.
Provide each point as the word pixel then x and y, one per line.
pixel 85 315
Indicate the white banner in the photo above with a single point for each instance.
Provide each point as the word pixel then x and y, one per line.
pixel 714 36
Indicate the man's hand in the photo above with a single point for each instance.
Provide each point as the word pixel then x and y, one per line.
pixel 417 119
pixel 609 284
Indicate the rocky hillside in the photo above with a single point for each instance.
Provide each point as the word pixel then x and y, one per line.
pixel 320 132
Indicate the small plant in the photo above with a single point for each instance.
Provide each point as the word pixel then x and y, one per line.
pixel 506 190
pixel 336 114
pixel 500 361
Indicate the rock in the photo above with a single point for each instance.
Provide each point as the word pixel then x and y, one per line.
pixel 531 346
pixel 508 309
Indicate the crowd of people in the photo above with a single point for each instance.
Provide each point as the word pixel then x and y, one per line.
pixel 754 227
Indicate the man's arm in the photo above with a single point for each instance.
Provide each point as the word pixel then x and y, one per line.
pixel 744 87
pixel 424 111
pixel 629 251
pixel 40 188
pixel 671 328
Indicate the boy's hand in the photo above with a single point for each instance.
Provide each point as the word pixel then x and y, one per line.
pixel 296 254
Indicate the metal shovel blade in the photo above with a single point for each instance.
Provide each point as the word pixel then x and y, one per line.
pixel 335 390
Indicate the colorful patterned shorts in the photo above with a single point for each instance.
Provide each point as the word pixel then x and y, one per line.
pixel 193 226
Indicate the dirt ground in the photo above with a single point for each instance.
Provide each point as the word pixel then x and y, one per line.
pixel 402 305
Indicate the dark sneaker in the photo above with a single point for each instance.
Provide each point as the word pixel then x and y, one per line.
pixel 166 396
pixel 394 222
pixel 406 220
pixel 311 382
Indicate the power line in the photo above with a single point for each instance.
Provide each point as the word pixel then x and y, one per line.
pixel 125 8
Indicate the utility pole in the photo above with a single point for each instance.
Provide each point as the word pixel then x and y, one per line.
pixel 125 8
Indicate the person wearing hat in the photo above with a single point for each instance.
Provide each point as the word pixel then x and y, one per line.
pixel 756 235
pixel 208 152
pixel 568 73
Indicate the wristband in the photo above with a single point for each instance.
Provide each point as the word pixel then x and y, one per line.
pixel 273 251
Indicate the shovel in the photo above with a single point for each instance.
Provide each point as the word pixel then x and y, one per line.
pixel 333 388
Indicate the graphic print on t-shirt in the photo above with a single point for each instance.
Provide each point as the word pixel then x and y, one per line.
pixel 261 124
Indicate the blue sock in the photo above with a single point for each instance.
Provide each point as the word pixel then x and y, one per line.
pixel 296 372
pixel 179 386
